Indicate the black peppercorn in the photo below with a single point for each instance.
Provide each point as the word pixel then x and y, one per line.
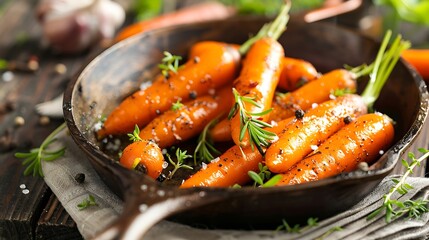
pixel 299 113
pixel 80 178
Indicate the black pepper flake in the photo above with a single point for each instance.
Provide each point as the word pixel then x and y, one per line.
pixel 141 168
pixel 299 114
pixel 347 120
pixel 80 178
pixel 161 177
pixel 193 95
pixel 220 165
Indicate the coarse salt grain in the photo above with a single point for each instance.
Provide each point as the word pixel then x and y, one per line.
pixel 7 76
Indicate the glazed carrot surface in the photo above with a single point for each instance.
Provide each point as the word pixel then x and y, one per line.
pixel 295 73
pixel 232 166
pixel 314 92
pixel 258 80
pixel 315 126
pixel 216 67
pixel 362 140
pixel 178 125
pixel 146 154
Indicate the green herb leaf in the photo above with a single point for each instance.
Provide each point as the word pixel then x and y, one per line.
pixel 135 136
pixel 395 208
pixel 33 159
pixel 87 203
pixel 180 158
pixel 205 149
pixel 170 63
pixel 250 124
pixel 176 106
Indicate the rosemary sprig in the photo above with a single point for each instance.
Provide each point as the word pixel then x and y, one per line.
pixel 262 179
pixel 169 63
pixel 180 156
pixel 205 149
pixel 395 208
pixel 176 106
pixel 135 136
pixel 250 123
pixel 33 159
pixel 87 203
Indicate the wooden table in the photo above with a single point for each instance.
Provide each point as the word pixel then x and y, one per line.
pixel 37 214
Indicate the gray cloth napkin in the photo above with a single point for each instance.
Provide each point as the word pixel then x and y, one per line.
pixel 60 177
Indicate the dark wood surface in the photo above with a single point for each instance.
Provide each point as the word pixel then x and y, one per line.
pixel 38 214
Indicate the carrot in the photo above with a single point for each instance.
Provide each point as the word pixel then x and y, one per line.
pixel 255 86
pixel 305 134
pixel 177 125
pixel 419 58
pixel 360 141
pixel 318 124
pixel 144 156
pixel 295 73
pixel 314 92
pixel 284 106
pixel 192 14
pixel 258 80
pixel 221 132
pixel 214 68
pixel 209 69
pixel 232 166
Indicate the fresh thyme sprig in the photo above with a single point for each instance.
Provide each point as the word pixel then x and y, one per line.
pixel 135 136
pixel 33 159
pixel 180 156
pixel 205 149
pixel 250 123
pixel 395 208
pixel 176 106
pixel 87 203
pixel 169 63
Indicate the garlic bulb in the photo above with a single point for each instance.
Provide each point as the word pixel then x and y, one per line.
pixel 71 26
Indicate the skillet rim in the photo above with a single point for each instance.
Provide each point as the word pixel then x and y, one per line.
pixel 392 154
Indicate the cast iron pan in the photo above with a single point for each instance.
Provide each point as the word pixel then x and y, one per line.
pixel 118 71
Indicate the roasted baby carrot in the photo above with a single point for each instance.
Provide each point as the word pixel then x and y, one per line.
pixel 232 166
pixel 360 141
pixel 144 156
pixel 256 84
pixel 295 73
pixel 178 125
pixel 314 92
pixel 204 71
pixel 192 14
pixel 314 127
pixel 299 138
pixel 257 81
pixel 214 68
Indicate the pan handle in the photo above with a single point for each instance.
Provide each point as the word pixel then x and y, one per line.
pixel 148 204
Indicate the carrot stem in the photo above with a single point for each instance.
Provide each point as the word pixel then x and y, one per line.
pixel 382 67
pixel 273 29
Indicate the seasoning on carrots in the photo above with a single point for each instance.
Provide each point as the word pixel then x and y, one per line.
pixel 296 144
pixel 295 73
pixel 255 87
pixel 360 141
pixel 180 124
pixel 217 66
pixel 142 155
